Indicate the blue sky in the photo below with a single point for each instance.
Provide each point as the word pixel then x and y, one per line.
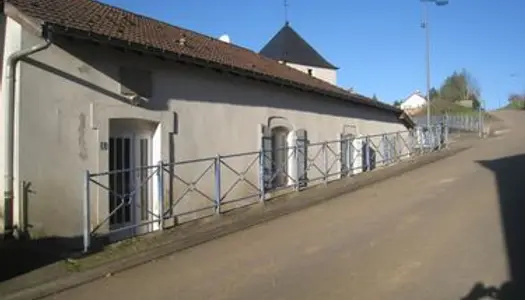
pixel 378 45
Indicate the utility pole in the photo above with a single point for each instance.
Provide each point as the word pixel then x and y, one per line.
pixel 426 4
pixel 427 59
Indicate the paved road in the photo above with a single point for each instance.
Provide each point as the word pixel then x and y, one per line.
pixel 429 234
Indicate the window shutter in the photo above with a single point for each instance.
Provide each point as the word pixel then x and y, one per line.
pixel 302 155
pixel 267 157
pixel 373 156
pixel 388 149
pixel 365 155
pixel 348 153
pixel 357 157
pixel 344 155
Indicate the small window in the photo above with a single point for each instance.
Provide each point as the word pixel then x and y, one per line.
pixel 135 81
pixel 310 72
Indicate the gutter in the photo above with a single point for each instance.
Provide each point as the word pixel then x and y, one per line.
pixel 9 117
pixel 339 95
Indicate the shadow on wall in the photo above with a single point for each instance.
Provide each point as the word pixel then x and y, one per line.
pixel 509 176
pixel 184 88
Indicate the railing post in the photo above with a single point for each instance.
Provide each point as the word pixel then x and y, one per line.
pixel 434 137
pixel 160 183
pixel 445 129
pixel 86 213
pixel 297 176
pixel 218 192
pixel 325 162
pixel 367 153
pixel 397 142
pixel 446 134
pixel 382 151
pixel 261 175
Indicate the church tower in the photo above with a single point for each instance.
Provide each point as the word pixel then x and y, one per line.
pixel 288 47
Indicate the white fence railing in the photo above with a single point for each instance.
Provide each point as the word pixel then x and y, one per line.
pixel 461 122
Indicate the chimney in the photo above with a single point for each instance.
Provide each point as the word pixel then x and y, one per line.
pixel 225 38
pixel 182 40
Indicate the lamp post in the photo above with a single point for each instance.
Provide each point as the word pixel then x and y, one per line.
pixel 425 26
pixel 481 117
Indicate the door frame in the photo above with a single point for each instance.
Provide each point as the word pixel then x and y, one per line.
pixel 136 131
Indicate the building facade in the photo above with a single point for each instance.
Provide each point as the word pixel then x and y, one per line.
pixel 414 103
pixel 87 103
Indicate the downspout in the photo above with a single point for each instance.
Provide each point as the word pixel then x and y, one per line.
pixel 9 117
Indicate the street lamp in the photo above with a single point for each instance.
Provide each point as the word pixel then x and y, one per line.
pixel 424 24
pixel 481 117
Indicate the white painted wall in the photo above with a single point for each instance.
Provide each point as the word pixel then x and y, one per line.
pixel 203 112
pixel 328 75
pixel 413 102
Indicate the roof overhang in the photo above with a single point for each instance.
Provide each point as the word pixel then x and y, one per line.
pixel 32 25
pixel 41 28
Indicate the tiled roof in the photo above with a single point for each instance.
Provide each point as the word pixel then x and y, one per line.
pixel 287 45
pixel 97 19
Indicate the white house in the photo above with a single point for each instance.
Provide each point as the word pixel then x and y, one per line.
pixel 289 48
pixel 93 88
pixel 414 102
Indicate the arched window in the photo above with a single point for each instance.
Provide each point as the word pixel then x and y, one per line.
pixel 277 148
pixel 280 149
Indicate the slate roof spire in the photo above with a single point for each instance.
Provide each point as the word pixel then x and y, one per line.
pixel 288 46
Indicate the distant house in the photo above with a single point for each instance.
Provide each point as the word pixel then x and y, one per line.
pixel 414 103
pixel 466 103
pixel 102 90
pixel 289 48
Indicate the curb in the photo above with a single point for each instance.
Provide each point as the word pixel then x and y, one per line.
pixel 501 132
pixel 232 222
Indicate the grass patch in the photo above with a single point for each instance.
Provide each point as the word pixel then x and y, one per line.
pixel 515 105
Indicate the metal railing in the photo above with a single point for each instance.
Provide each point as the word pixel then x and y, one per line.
pixel 454 122
pixel 143 199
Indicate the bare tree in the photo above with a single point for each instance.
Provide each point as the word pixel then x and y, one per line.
pixel 473 89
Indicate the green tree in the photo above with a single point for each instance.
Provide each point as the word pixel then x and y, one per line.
pixel 516 101
pixel 460 86
pixel 434 94
pixel 397 103
pixel 374 97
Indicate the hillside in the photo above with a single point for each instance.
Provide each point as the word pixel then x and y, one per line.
pixel 440 107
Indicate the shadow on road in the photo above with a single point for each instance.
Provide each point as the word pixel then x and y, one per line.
pixel 509 173
pixel 20 257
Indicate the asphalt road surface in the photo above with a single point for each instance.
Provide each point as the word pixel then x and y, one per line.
pixel 429 234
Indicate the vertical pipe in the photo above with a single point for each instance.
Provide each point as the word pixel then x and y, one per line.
pixel 218 192
pixel 160 184
pixel 9 127
pixel 427 42
pixel 86 213
pixel 262 174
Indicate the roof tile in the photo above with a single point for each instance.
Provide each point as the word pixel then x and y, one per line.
pixel 91 16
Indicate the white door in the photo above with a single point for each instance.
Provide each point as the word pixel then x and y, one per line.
pixel 130 181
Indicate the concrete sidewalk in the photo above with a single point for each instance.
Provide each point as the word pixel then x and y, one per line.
pixel 119 257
